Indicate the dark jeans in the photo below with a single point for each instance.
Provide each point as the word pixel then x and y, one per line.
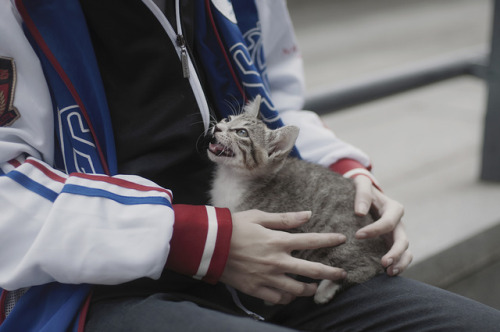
pixel 381 304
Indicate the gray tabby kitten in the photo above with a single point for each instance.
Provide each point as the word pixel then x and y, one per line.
pixel 254 172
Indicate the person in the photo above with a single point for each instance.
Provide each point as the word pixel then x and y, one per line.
pixel 104 105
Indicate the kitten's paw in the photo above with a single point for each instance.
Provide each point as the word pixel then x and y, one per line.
pixel 326 291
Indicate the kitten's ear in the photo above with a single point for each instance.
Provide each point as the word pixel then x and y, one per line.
pixel 282 141
pixel 252 108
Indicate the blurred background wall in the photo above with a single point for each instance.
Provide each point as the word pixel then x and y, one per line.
pixel 425 143
pixel 346 39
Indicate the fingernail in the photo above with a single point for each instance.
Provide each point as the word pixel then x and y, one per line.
pixel 395 272
pixel 389 262
pixel 344 274
pixel 362 208
pixel 304 215
pixel 361 235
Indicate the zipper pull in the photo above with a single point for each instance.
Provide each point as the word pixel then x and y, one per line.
pixel 184 55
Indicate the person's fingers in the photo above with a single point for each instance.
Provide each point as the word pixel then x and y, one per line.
pixel 363 198
pixel 306 241
pixel 380 227
pixel 399 257
pixel 272 295
pixel 398 246
pixel 391 217
pixel 285 220
pixel 401 265
pixel 286 298
pixel 309 269
pixel 291 286
pixel 278 288
pixel 382 203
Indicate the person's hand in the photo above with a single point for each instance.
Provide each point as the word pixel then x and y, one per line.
pixel 260 256
pixel 389 224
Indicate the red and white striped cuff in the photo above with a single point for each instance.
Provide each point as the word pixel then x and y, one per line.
pixel 200 242
pixel 351 168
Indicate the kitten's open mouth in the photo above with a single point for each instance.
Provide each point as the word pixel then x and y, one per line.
pixel 220 150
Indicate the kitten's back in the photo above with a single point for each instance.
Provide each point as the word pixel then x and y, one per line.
pixel 299 186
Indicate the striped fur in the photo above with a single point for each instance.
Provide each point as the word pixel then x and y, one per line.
pixel 254 172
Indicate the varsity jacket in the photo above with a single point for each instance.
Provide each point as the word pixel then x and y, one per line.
pixel 68 220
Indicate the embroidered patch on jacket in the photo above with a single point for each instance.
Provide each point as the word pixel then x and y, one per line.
pixel 8 113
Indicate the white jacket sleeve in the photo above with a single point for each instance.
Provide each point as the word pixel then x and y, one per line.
pixel 55 227
pixel 81 228
pixel 316 143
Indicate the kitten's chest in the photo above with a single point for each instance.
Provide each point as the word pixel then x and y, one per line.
pixel 227 190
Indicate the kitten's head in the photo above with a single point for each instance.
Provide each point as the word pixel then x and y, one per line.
pixel 244 142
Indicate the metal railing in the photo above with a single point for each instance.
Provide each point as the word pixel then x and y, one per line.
pixel 479 63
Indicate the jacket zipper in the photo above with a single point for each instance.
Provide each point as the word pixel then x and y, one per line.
pixel 188 70
pixel 181 41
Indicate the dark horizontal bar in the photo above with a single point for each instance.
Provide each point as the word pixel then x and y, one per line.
pixel 376 87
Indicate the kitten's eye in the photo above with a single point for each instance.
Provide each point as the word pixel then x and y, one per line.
pixel 242 132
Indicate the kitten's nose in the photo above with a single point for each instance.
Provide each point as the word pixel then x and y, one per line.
pixel 217 129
